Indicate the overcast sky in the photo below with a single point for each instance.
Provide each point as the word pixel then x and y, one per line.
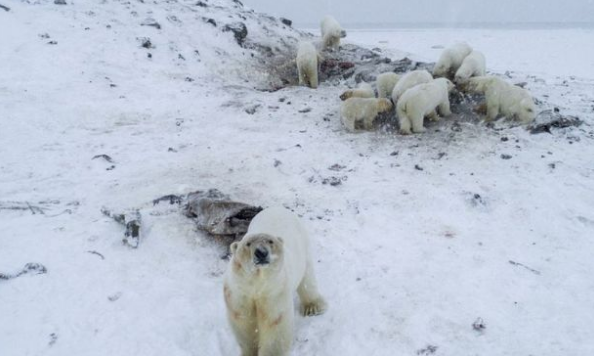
pixel 308 12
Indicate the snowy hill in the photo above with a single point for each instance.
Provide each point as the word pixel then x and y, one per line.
pixel 415 238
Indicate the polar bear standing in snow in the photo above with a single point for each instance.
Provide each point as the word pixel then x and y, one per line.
pixel 364 90
pixel 267 266
pixel 474 65
pixel 385 83
pixel 363 111
pixel 332 32
pixel 408 81
pixel 307 64
pixel 503 98
pixel 421 101
pixel 450 60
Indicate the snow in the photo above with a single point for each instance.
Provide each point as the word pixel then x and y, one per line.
pixel 408 258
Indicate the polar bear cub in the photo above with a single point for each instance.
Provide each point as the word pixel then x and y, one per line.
pixel 408 81
pixel 474 65
pixel 363 111
pixel 385 83
pixel 421 101
pixel 307 64
pixel 450 60
pixel 332 32
pixel 503 98
pixel 267 266
pixel 363 90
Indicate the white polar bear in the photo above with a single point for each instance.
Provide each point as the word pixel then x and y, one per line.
pixel 503 98
pixel 450 60
pixel 421 101
pixel 385 83
pixel 474 65
pixel 363 90
pixel 408 81
pixel 362 111
pixel 332 32
pixel 267 266
pixel 307 64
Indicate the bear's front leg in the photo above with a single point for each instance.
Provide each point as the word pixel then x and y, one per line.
pixel 276 329
pixel 492 111
pixel 417 124
pixel 444 108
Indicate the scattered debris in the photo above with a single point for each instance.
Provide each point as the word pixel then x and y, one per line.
pixel 505 156
pixel 52 43
pixel 104 156
pixel 239 31
pixel 549 119
pixel 216 214
pixel 131 220
pixel 306 110
pixel 151 22
pixel 277 163
pixel 173 199
pixel 53 339
pixel 210 21
pixel 33 268
pixel 96 253
pixel 479 325
pixel 286 21
pixel 251 110
pixel 5 8
pixel 60 2
pixel 418 168
pixel 336 167
pixel 428 350
pixel 334 181
pixel 114 297
pixel 145 42
pixel 526 267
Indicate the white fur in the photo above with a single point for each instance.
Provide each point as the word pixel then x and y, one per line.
pixel 450 60
pixel 474 65
pixel 385 83
pixel 362 110
pixel 410 80
pixel 421 101
pixel 363 90
pixel 504 99
pixel 332 32
pixel 307 64
pixel 259 298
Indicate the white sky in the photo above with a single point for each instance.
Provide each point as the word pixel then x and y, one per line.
pixel 443 11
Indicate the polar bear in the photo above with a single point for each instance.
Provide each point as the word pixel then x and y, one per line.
pixel 307 64
pixel 503 98
pixel 267 266
pixel 363 111
pixel 363 90
pixel 332 32
pixel 385 83
pixel 421 101
pixel 450 60
pixel 408 81
pixel 474 65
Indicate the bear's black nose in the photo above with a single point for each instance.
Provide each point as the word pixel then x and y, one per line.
pixel 261 255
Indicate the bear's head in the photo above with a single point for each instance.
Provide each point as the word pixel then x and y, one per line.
pixel 445 82
pixel 256 252
pixel 440 70
pixel 527 111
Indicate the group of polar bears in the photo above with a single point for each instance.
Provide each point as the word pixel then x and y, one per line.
pixel 419 94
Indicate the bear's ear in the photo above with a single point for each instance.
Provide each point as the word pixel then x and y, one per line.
pixel 280 240
pixel 233 247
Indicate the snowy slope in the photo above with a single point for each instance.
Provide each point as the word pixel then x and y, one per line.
pixel 413 244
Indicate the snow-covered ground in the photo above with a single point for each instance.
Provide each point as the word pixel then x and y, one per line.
pixel 424 234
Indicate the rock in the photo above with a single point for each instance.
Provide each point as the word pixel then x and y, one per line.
pixel 252 109
pixel 505 156
pixel 145 42
pixel 239 31
pixel 5 8
pixel 60 2
pixel 201 4
pixel 286 21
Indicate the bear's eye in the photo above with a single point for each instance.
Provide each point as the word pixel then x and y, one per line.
pixel 270 242
pixel 249 244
